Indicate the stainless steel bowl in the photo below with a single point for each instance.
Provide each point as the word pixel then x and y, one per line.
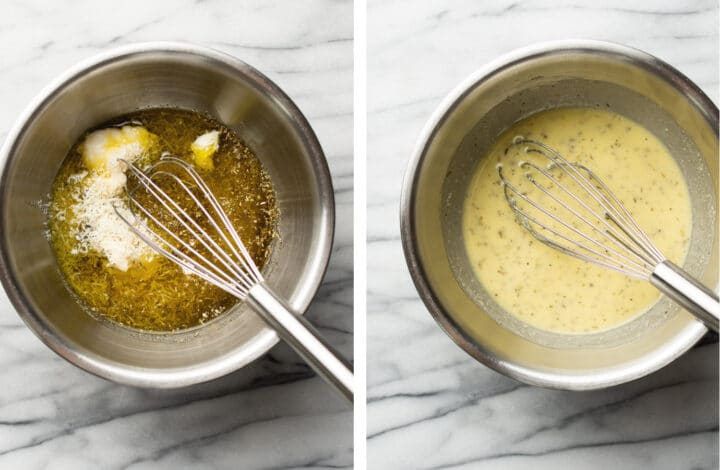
pixel 568 73
pixel 143 76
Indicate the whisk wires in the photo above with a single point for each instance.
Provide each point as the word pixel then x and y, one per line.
pixel 576 213
pixel 188 227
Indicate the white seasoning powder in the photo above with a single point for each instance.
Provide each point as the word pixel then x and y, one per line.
pixel 100 190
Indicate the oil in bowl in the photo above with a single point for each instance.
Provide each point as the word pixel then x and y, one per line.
pixel 542 287
pixel 112 273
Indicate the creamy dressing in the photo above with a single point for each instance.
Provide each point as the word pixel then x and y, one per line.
pixel 553 291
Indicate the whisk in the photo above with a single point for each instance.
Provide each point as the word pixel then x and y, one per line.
pixel 581 217
pixel 196 233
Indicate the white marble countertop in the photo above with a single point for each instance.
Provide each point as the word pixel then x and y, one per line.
pixel 272 414
pixel 430 404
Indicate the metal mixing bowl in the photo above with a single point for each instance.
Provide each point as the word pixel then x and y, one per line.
pixel 568 73
pixel 160 75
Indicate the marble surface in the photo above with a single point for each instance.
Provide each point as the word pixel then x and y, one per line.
pixel 430 405
pixel 272 414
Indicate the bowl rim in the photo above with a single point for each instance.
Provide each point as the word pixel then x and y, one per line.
pixel 181 376
pixel 590 380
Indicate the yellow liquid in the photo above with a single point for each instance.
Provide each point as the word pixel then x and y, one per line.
pixel 156 294
pixel 543 287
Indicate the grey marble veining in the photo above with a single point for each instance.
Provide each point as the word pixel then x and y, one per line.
pixel 430 405
pixel 274 413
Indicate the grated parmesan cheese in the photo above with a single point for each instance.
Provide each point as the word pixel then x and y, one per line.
pixel 100 189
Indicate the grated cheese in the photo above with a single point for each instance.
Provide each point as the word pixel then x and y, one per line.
pixel 100 189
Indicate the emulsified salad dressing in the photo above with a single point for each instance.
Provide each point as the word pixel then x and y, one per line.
pixel 553 291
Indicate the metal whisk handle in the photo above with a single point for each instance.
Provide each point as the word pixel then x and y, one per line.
pixel 303 338
pixel 683 289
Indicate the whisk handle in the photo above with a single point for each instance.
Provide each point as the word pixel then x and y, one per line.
pixel 688 292
pixel 303 338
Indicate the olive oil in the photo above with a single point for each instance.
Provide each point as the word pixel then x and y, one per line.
pixel 153 293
